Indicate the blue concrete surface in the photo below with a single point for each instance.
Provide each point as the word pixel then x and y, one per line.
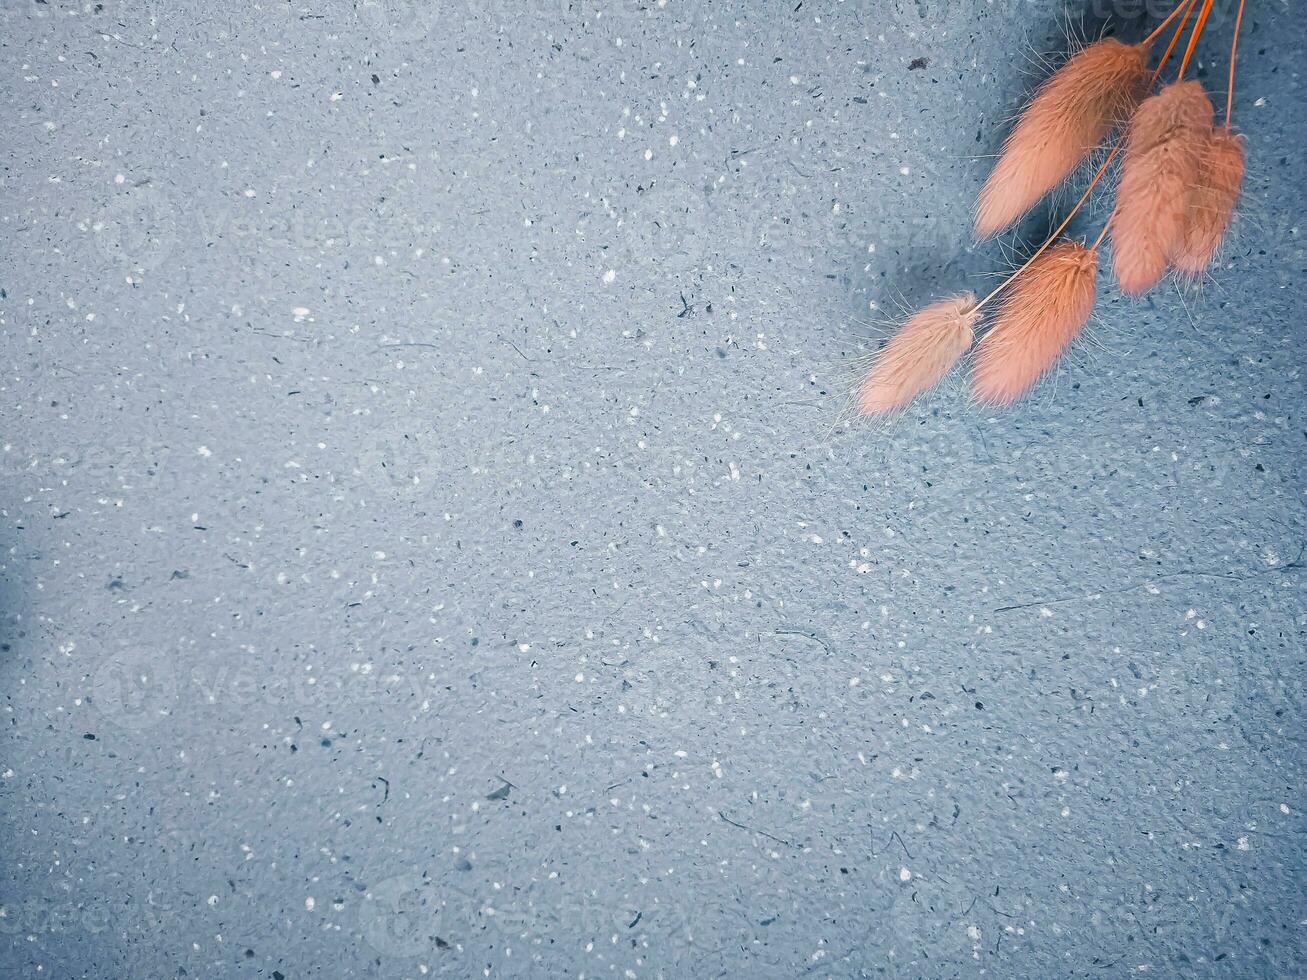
pixel 432 544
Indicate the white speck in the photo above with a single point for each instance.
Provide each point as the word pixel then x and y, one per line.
pixel 213 900
pixel 300 311
pixel 275 74
pixel 205 451
pixel 973 933
pixel 119 179
pixel 309 903
pixel 673 140
pixel 610 276
pixel 336 96
pixel 794 79
pixel 905 170
pixel 580 678
pixel 648 154
pixel 905 874
pixel 1260 102
pixel 249 192
pixel 1243 844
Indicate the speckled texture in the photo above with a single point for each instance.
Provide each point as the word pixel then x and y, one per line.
pixel 429 547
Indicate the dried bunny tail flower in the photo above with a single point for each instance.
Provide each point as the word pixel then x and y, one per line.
pixel 1068 117
pixel 1044 310
pixel 1212 203
pixel 1163 154
pixel 1178 106
pixel 919 354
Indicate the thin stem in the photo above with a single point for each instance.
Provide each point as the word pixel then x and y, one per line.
pixel 1116 148
pixel 1199 24
pixel 1234 49
pixel 1189 9
pixel 1101 235
pixel 1162 26
pixel 1057 231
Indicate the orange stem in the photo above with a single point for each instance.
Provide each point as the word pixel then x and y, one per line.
pixel 1162 26
pixel 1101 235
pixel 1057 231
pixel 1234 49
pixel 1199 24
pixel 1189 9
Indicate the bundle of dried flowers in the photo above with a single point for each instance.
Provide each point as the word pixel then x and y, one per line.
pixel 1180 179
